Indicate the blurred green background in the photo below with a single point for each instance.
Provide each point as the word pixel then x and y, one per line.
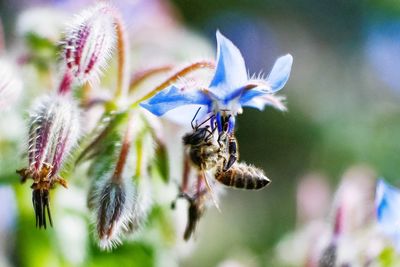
pixel 343 109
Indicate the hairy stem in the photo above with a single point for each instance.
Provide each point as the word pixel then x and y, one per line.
pixel 123 57
pixel 123 155
pixel 140 76
pixel 175 77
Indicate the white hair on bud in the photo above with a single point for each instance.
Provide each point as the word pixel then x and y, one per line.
pixel 113 208
pixel 54 130
pixel 89 42
pixel 142 205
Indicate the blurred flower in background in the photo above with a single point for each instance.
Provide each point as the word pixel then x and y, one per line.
pixel 387 200
pixel 8 213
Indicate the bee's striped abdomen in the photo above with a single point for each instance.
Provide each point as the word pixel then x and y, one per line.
pixel 243 176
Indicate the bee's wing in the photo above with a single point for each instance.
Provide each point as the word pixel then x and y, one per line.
pixel 206 175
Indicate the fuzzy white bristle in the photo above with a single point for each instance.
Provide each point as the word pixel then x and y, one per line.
pixel 108 200
pixel 89 42
pixel 54 130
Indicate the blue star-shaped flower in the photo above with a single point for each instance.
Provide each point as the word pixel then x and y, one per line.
pixel 230 89
pixel 387 203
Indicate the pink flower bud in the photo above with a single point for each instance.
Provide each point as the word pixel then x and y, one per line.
pixel 89 42
pixel 53 132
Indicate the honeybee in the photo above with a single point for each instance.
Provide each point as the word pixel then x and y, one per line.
pixel 223 156
pixel 218 154
pixel 43 181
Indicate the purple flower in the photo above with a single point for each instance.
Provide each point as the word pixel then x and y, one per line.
pixel 230 89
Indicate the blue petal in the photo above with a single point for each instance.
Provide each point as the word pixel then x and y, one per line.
pixel 255 103
pixel 387 203
pixel 250 94
pixel 280 73
pixel 261 101
pixel 173 97
pixel 230 73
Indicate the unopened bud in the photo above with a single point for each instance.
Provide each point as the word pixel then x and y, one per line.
pixel 53 132
pixel 89 42
pixel 114 202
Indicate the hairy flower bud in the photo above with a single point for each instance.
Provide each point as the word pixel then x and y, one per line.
pixel 114 200
pixel 89 42
pixel 53 131
pixel 10 85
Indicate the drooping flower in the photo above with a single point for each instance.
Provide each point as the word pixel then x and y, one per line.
pixel 53 132
pixel 387 202
pixel 89 42
pixel 230 89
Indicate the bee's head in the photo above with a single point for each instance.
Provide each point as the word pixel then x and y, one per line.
pixel 196 137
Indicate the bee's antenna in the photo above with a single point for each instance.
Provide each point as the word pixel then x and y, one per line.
pixel 195 115
pixel 206 120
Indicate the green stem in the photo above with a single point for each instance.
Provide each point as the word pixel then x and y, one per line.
pixel 126 144
pixel 139 155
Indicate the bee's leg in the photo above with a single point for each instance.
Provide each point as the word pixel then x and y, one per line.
pixel 196 208
pixel 195 211
pixel 185 180
pixel 233 154
pixel 210 133
pixel 186 172
pixel 182 195
pixel 232 159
